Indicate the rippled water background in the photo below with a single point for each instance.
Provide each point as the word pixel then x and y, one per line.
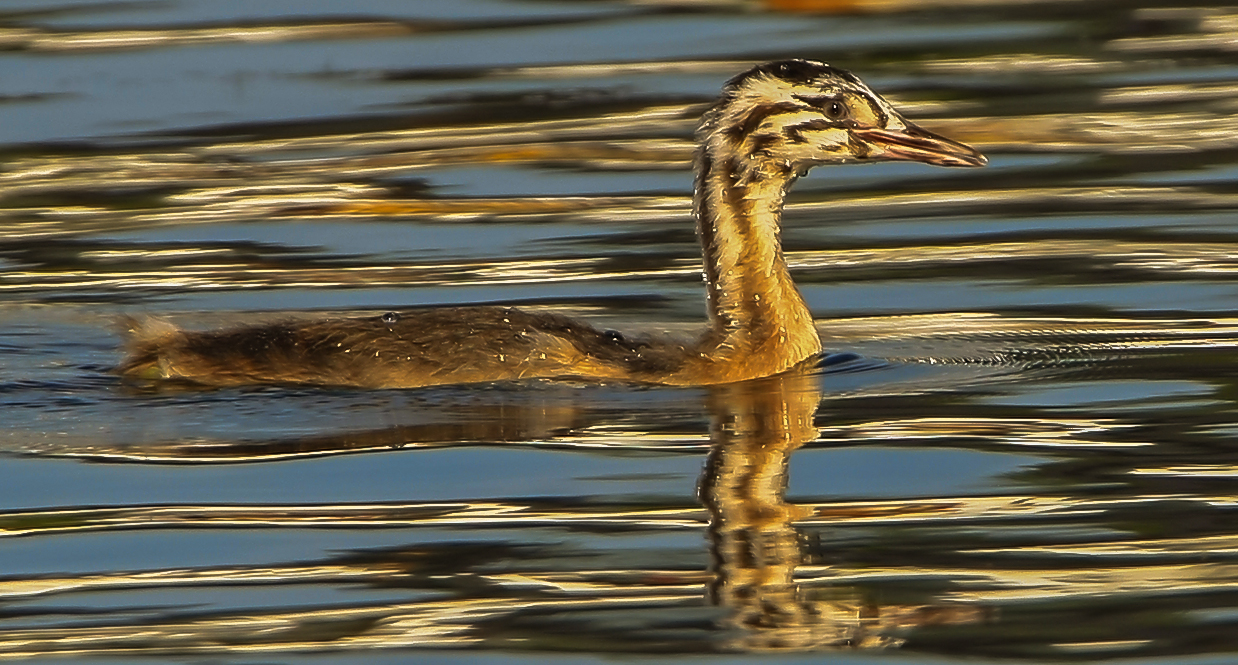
pixel 1023 448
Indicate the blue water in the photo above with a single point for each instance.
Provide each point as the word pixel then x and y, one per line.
pixel 1023 449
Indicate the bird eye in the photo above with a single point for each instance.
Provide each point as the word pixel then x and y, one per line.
pixel 835 111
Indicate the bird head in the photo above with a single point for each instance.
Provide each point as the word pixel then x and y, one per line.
pixel 796 114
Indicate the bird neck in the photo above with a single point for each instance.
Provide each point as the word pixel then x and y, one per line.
pixel 759 322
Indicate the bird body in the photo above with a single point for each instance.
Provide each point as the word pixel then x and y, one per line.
pixel 771 124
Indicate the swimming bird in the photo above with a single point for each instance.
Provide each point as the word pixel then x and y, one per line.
pixel 770 125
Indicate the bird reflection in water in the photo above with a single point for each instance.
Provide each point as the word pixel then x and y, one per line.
pixel 754 545
pixel 769 590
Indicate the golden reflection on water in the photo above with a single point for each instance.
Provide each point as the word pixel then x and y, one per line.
pixel 337 174
pixel 206 268
pixel 51 40
pixel 754 545
pixel 775 574
pixel 1119 543
pixel 752 536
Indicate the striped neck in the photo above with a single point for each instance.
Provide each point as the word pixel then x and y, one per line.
pixel 757 315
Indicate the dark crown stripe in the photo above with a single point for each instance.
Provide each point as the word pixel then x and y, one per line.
pixel 794 71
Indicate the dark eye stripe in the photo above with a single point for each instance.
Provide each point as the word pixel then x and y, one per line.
pixel 822 103
pixel 818 101
pixel 760 114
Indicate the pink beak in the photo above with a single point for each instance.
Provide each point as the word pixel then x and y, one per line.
pixel 919 145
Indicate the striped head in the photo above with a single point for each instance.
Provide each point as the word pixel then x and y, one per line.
pixel 784 117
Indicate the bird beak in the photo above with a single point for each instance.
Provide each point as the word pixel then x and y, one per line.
pixel 918 145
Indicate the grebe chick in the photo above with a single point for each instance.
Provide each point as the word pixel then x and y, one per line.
pixel 771 124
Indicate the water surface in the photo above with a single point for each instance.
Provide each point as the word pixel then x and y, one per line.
pixel 1019 449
